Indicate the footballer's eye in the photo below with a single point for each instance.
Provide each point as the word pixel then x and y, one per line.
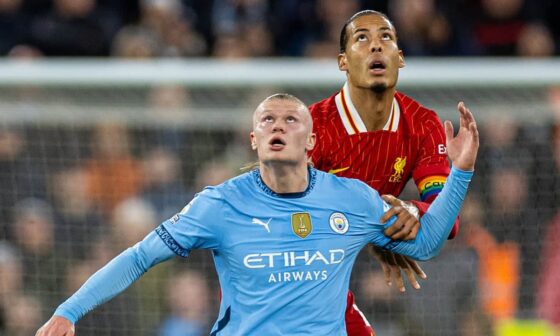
pixel 361 37
pixel 386 37
pixel 268 119
pixel 291 119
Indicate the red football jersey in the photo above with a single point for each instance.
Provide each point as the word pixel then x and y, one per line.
pixel 412 144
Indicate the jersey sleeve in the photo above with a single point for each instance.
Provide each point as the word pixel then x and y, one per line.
pixel 436 223
pixel 115 277
pixel 196 226
pixel 431 169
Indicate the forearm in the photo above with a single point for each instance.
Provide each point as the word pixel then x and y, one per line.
pixel 438 221
pixel 115 277
pixel 423 208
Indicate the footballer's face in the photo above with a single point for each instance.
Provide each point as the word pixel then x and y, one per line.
pixel 372 58
pixel 282 132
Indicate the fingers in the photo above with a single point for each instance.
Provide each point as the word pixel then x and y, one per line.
pixel 413 233
pixel 396 269
pixel 448 131
pixel 399 231
pixel 392 200
pixel 417 269
pixel 406 224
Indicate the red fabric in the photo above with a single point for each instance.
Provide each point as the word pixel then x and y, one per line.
pixel 371 156
pixel 356 323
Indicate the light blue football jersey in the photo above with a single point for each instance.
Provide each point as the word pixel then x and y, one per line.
pixel 283 260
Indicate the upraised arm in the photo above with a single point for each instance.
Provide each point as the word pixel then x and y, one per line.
pixel 440 217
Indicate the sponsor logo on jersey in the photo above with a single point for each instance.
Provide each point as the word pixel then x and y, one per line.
pixel 398 166
pixel 338 170
pixel 301 224
pixel 339 223
pixel 264 224
pixel 293 258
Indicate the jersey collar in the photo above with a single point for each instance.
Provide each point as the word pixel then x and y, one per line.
pixel 351 118
pixel 312 176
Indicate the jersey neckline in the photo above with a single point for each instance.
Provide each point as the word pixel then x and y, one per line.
pixel 311 174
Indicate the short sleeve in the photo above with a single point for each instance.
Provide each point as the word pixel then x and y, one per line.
pixel 196 226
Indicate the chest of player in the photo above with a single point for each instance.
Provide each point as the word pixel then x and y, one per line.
pixel 309 241
pixel 382 159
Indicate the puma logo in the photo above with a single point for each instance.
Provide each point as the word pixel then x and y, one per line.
pixel 260 222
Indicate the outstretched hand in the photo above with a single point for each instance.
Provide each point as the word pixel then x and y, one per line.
pixel 462 149
pixel 56 326
pixel 392 264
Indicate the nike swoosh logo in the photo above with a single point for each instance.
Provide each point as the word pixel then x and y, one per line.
pixel 338 170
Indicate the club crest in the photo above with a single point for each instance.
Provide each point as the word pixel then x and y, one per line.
pixel 301 224
pixel 339 223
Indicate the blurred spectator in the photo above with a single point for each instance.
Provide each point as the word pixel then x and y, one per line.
pixel 422 28
pixel 112 173
pixel 43 269
pixel 25 52
pixel 23 315
pixel 136 42
pixel 213 173
pixel 189 305
pixel 131 221
pixel 13 25
pixel 498 25
pixel 20 175
pixel 174 25
pixel 231 46
pixel 548 296
pixel 74 28
pixel 498 281
pixel 331 15
pixel 10 280
pixel 229 16
pixel 78 222
pixel 291 24
pixel 164 189
pixel 535 40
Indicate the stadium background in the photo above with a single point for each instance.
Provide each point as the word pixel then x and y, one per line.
pixel 152 101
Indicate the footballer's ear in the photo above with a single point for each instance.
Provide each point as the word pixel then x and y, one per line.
pixel 311 140
pixel 253 141
pixel 401 59
pixel 342 62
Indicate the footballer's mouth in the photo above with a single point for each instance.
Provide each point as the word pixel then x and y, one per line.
pixel 376 66
pixel 277 143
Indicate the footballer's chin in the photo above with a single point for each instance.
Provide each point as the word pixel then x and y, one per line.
pixel 378 87
pixel 276 160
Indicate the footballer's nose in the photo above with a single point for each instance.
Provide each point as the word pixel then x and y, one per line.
pixel 278 126
pixel 376 46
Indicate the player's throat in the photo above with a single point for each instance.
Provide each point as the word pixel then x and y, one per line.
pixel 375 109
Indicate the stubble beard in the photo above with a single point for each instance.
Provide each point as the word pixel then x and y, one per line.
pixel 379 88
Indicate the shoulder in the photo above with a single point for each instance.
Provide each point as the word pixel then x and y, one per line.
pixel 344 184
pixel 415 114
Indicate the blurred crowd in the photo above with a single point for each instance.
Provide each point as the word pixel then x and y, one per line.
pixel 73 197
pixel 262 28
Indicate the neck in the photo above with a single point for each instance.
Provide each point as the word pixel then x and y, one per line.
pixel 284 178
pixel 374 108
